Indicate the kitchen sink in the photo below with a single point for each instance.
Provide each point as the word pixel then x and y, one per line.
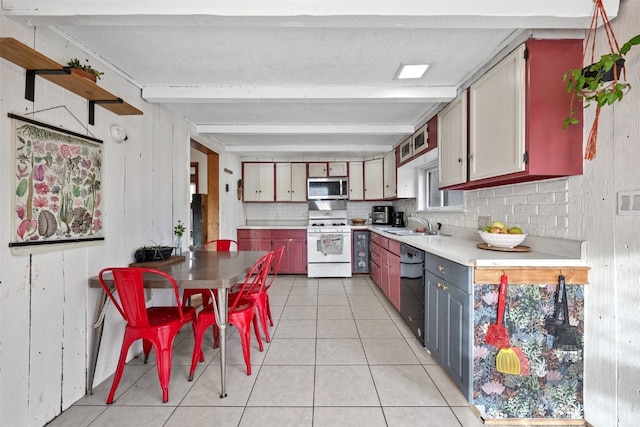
pixel 409 232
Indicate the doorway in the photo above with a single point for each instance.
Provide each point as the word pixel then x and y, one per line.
pixel 205 206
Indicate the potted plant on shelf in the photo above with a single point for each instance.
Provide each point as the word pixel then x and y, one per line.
pixel 603 81
pixel 84 70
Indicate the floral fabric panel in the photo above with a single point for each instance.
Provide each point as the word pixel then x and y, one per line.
pixel 553 389
pixel 57 191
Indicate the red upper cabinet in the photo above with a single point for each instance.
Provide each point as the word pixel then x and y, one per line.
pixel 516 112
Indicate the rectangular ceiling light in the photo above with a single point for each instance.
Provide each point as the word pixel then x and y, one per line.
pixel 412 71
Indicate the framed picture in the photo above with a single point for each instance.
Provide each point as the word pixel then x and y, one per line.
pixel 57 194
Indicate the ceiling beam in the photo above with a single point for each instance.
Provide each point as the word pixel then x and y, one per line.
pixel 343 148
pixel 317 8
pixel 314 129
pixel 179 94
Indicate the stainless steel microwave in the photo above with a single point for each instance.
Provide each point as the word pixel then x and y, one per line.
pixel 331 188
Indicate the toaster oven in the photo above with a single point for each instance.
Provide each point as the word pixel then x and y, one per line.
pixel 381 215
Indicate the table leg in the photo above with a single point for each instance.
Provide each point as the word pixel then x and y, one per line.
pixel 98 325
pixel 222 325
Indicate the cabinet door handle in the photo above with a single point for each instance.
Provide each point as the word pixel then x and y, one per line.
pixel 441 268
pixel 459 159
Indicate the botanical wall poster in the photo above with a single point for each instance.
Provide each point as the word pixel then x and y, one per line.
pixel 57 192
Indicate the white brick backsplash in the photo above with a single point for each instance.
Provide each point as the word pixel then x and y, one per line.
pixel 517 200
pixel 504 191
pixel 540 208
pixel 561 197
pixel 557 210
pixel 547 220
pixel 553 185
pixel 526 209
pixel 527 188
pixel 541 198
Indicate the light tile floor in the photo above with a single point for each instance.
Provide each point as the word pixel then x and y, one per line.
pixel 340 355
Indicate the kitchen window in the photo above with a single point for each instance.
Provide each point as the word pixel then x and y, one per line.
pixel 430 198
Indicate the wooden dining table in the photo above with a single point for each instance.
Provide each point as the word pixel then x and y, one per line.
pixel 202 270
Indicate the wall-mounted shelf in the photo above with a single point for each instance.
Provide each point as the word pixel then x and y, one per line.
pixel 531 275
pixel 38 64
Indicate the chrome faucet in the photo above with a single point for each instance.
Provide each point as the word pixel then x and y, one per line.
pixel 424 222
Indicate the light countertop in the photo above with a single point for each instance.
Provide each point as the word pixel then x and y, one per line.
pixel 460 246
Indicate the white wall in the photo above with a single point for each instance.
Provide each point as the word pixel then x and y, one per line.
pixel 46 308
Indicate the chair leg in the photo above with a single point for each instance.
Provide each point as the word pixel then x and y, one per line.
pixel 245 338
pixel 216 336
pixel 257 329
pixel 126 343
pixel 194 327
pixel 262 313
pixel 268 305
pixel 203 324
pixel 164 353
pixel 146 350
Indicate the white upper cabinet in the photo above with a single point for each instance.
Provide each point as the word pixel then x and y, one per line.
pixel 258 182
pixel 420 139
pixel 317 170
pixel 373 183
pixel 291 182
pixel 356 180
pixel 338 169
pixel 452 142
pixel 498 97
pixel 389 175
pixel 322 169
pixel 405 149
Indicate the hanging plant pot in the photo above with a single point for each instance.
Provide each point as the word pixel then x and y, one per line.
pixel 602 82
pixel 604 75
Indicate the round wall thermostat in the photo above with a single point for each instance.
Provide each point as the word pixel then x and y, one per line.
pixel 118 133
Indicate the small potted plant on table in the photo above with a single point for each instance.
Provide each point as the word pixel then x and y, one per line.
pixel 179 230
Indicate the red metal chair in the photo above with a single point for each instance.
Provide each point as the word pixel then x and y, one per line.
pixel 241 314
pixel 222 245
pixel 156 326
pixel 262 298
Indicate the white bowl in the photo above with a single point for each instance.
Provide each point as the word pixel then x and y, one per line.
pixel 502 240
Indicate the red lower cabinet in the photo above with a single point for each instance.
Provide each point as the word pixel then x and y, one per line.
pixel 294 259
pixel 385 267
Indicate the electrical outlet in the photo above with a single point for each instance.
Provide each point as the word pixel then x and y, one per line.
pixel 629 203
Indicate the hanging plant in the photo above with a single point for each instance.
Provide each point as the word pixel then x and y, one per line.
pixel 603 81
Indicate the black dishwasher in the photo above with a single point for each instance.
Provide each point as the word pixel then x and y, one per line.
pixel 412 289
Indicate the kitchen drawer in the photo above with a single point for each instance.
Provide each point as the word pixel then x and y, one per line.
pixel 456 274
pixel 254 234
pixel 384 243
pixel 289 234
pixel 375 249
pixel 375 258
pixel 375 238
pixel 393 246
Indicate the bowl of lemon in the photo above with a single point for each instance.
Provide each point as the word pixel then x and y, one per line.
pixel 500 235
